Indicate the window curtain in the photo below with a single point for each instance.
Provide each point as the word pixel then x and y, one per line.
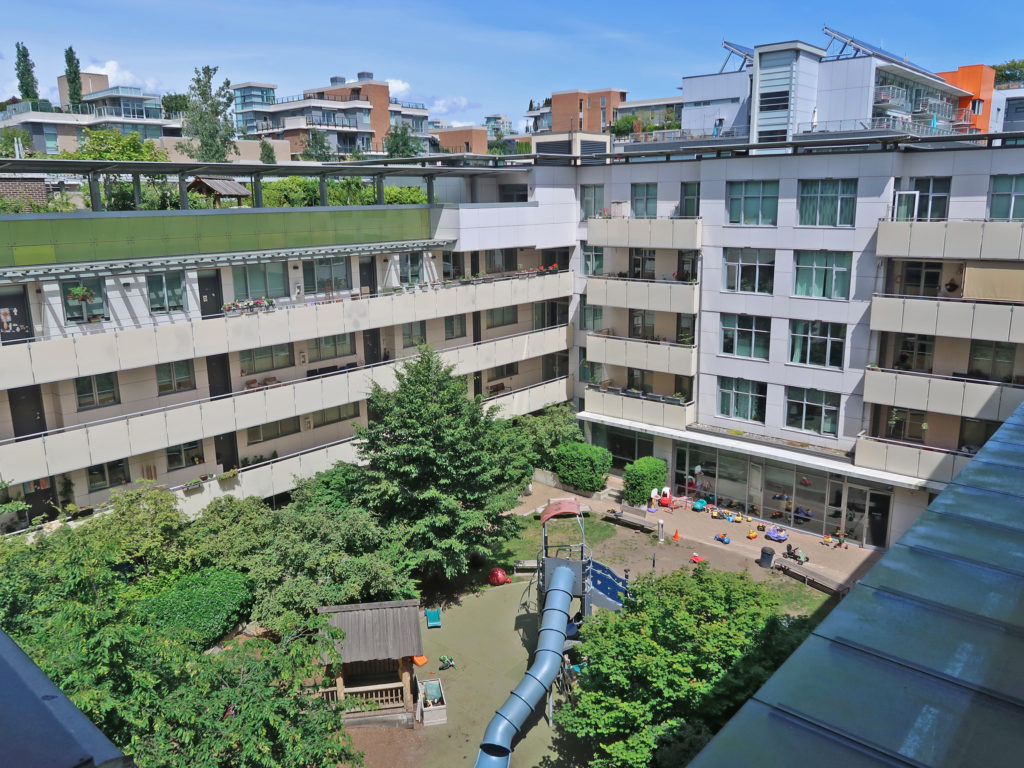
pixel 828 211
pixel 798 341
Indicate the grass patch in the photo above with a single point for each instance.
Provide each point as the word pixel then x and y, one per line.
pixel 527 545
pixel 798 599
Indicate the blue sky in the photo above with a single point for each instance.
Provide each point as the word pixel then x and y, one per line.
pixel 470 59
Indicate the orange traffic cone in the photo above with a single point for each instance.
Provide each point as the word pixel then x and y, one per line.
pixel 676 536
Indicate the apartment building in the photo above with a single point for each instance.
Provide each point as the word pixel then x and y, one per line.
pixel 657 111
pixel 467 138
pixel 576 111
pixel 354 115
pixel 497 125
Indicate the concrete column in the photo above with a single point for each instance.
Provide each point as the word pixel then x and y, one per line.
pixel 430 190
pixel 137 190
pixel 95 198
pixel 182 192
pixel 379 183
pixel 472 189
pixel 323 190
pixel 257 191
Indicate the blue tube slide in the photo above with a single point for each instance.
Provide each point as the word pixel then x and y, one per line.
pixel 496 748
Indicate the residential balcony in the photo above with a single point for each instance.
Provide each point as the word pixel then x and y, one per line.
pixel 665 357
pixel 93 348
pixel 960 240
pixel 933 464
pixel 955 396
pixel 65 450
pixel 657 295
pixel 891 97
pixel 656 410
pixel 484 226
pixel 866 127
pixel 955 318
pixel 683 234
pixel 533 397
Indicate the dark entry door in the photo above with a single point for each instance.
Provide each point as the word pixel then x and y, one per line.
pixel 15 320
pixel 27 415
pixel 218 374
pixel 367 274
pixel 226 448
pixel 371 346
pixel 211 293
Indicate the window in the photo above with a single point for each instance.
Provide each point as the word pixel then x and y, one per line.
pixel 410 266
pixel 977 106
pixel 641 324
pixel 256 280
pixel 502 316
pixel 503 260
pixel 1006 197
pixel 974 433
pixel 746 336
pixel 905 424
pixel 992 360
pixel 754 203
pixel 812 342
pixel 828 202
pixel 272 430
pixel 265 358
pixel 503 371
pixel 108 475
pixel 96 391
pixel 742 399
pixel 822 274
pixel 686 267
pixel 174 377
pixel 512 193
pixel 591 315
pixel 913 352
pixel 414 334
pixel 685 328
pixel 185 455
pixel 166 291
pixel 920 278
pixel 591 200
pixel 589 371
pixel 335 414
pixel 641 263
pixel 452 265
pixel 82 311
pixel 50 138
pixel 684 387
pixel 593 260
pixel 604 101
pixel 645 201
pixel 324 275
pixel 749 270
pixel 326 347
pixel 454 326
pixel 812 410
pixel 689 199
pixel 932 197
pixel 774 101
pixel 640 380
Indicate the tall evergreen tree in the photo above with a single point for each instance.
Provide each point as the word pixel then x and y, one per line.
pixel 73 74
pixel 25 70
pixel 267 155
pixel 208 120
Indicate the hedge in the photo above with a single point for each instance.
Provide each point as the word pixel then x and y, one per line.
pixel 641 476
pixel 583 466
pixel 201 607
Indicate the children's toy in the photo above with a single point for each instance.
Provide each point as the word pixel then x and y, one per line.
pixel 776 534
pixel 751 534
pixel 666 497
pixel 762 527
pixel 795 554
pixel 698 506
pixel 498 576
pixel 447 662
pixel 433 617
pixel 722 537
pixel 695 558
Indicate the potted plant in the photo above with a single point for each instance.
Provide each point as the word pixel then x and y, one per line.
pixel 228 476
pixel 192 485
pixel 675 399
pixel 81 293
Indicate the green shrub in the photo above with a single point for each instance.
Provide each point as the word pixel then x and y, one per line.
pixel 550 429
pixel 583 466
pixel 642 475
pixel 201 607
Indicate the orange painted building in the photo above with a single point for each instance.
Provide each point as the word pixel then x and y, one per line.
pixel 469 138
pixel 584 110
pixel 975 111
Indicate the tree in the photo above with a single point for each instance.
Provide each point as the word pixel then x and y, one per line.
pixel 356 154
pixel 208 120
pixel 8 135
pixel 267 155
pixel 174 102
pixel 498 147
pixel 73 74
pixel 108 144
pixel 400 142
pixel 317 148
pixel 531 106
pixel 1011 71
pixel 674 664
pixel 624 125
pixel 641 477
pixel 25 71
pixel 555 425
pixel 440 469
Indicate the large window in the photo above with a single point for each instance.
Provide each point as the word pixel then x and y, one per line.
pixel 913 352
pixel 828 202
pixel 414 334
pixel 640 380
pixel 454 327
pixel 686 266
pixel 641 263
pixel 822 274
pixel 920 278
pixel 746 335
pixel 175 377
pixel 812 342
pixel 591 315
pixel 812 410
pixel 754 203
pixel 272 430
pixel 256 280
pixel 645 201
pixel 749 270
pixel 96 391
pixel 974 433
pixel 452 265
pixel 689 199
pixel 502 316
pixel 336 414
pixel 166 291
pixel 593 260
pixel 992 360
pixel 323 275
pixel 108 475
pixel 503 371
pixel 500 260
pixel 905 424
pixel 589 371
pixel 742 399
pixel 1006 197
pixel 326 347
pixel 641 324
pixel 932 197
pixel 410 267
pixel 591 200
pixel 82 311
pixel 265 358
pixel 686 328
pixel 185 455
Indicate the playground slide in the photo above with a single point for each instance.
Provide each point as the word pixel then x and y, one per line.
pixel 608 587
pixel 496 748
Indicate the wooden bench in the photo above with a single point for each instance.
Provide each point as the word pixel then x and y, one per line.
pixel 634 521
pixel 812 579
pixel 524 565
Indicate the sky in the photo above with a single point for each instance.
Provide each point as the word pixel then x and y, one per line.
pixel 465 60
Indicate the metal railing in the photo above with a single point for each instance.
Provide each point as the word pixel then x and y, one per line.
pixel 315 96
pixel 628 278
pixel 891 96
pixel 962 377
pixel 507 392
pixel 332 123
pixel 932 106
pixel 686 134
pixel 409 104
pixel 883 123
pixel 920 446
pixel 608 333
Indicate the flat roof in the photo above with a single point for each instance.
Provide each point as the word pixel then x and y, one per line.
pixel 251 84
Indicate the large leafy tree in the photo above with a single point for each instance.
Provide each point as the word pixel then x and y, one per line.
pixel 8 135
pixel 400 142
pixel 73 74
pixel 318 148
pixel 1011 71
pixel 25 71
pixel 107 144
pixel 547 430
pixel 174 102
pixel 207 121
pixel 440 468
pixel 674 664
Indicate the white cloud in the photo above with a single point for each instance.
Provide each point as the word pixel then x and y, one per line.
pixel 120 76
pixel 399 88
pixel 460 123
pixel 449 104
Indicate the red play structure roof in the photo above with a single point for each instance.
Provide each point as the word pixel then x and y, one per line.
pixel 558 507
